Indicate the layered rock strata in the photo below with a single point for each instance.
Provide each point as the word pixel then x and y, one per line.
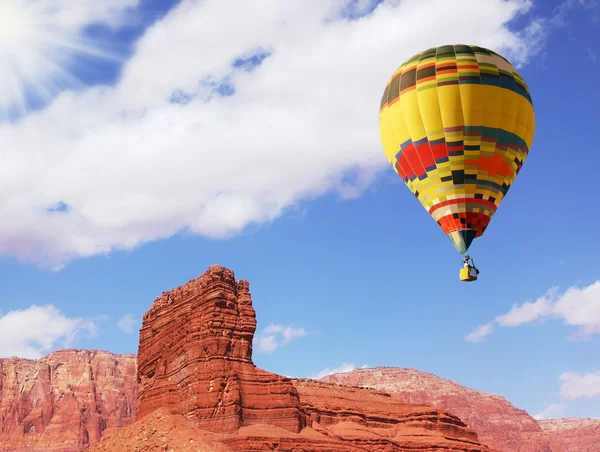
pixel 498 423
pixel 195 361
pixel 65 401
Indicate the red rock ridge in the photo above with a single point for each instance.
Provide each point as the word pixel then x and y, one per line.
pixel 498 423
pixel 573 434
pixel 195 362
pixel 66 400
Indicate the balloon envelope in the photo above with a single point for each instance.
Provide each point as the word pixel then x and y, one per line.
pixel 456 124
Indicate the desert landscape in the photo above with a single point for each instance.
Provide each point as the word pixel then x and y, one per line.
pixel 193 386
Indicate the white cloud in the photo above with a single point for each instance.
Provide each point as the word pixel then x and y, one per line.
pixel 552 411
pixel 288 332
pixel 579 307
pixel 345 367
pixel 559 17
pixel 534 36
pixel 529 312
pixel 38 329
pixel 580 386
pixel 126 323
pixel 131 167
pixel 479 333
pixel 267 344
pixel 275 336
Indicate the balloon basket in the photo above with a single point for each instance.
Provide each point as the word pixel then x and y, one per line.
pixel 468 274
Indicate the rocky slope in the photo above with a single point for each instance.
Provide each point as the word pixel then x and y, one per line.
pixel 573 434
pixel 161 431
pixel 65 401
pixel 497 422
pixel 195 361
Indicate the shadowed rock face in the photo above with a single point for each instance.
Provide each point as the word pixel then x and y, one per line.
pixel 66 400
pixel 195 360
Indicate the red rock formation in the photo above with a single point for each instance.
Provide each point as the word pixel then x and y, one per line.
pixel 198 389
pixel 195 361
pixel 369 419
pixel 351 420
pixel 65 400
pixel 573 434
pixel 498 424
pixel 195 358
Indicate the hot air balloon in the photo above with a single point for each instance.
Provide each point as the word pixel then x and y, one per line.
pixel 456 124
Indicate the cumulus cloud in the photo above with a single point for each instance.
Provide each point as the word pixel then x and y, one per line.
pixel 275 336
pixel 207 131
pixel 38 329
pixel 126 323
pixel 578 307
pixel 552 411
pixel 580 386
pixel 345 367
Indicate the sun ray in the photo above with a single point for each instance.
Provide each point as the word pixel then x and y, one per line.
pixel 41 43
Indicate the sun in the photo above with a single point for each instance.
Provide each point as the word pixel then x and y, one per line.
pixel 39 43
pixel 15 23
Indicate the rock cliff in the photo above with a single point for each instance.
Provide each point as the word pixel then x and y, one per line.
pixel 195 361
pixel 195 358
pixel 573 434
pixel 498 423
pixel 66 400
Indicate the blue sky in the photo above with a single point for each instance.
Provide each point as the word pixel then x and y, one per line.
pixel 290 189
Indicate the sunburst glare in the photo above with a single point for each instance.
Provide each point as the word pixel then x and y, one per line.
pixel 40 42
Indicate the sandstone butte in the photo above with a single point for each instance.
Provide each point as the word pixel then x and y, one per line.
pixel 199 390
